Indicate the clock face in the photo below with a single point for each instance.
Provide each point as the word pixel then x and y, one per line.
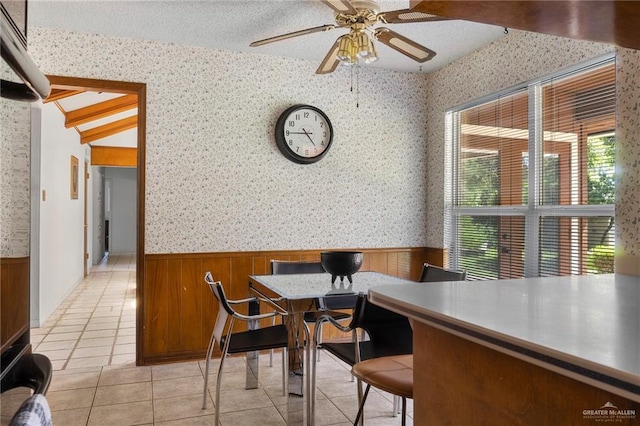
pixel 304 134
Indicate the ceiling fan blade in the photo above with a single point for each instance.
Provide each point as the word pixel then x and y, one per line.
pixel 408 47
pixel 406 16
pixel 293 34
pixel 341 6
pixel 330 62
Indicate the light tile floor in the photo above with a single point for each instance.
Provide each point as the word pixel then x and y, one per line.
pixel 90 340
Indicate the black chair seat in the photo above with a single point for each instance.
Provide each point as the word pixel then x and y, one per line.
pixel 257 340
pixel 312 317
pixel 346 351
pixel 344 301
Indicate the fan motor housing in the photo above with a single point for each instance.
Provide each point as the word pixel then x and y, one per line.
pixel 367 14
pixel 362 5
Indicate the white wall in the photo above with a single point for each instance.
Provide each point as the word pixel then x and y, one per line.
pixel 61 221
pixel 97 202
pixel 122 220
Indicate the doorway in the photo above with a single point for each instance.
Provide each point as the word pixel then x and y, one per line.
pixel 85 232
pixel 133 92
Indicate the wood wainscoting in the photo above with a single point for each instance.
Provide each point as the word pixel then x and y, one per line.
pixel 178 311
pixel 14 301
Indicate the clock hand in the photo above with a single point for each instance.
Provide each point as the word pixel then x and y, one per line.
pixel 306 133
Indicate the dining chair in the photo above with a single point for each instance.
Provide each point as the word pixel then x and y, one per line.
pixel 239 342
pixel 326 306
pixel 394 373
pixel 432 273
pixel 388 333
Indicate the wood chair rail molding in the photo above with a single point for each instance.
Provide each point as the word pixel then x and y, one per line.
pixel 14 301
pixel 178 310
pixel 609 21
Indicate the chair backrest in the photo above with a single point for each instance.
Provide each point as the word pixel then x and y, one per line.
pixel 293 267
pixel 431 273
pixel 224 309
pixel 390 333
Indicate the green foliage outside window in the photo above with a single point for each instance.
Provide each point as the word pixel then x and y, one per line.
pixel 480 180
pixel 601 161
pixel 600 260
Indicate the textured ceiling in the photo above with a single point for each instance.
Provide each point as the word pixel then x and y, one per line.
pixel 232 25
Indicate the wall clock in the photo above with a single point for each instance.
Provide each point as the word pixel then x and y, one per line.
pixel 304 134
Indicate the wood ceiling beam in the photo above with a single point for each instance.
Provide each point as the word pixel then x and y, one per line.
pixel 108 129
pixel 611 21
pixel 114 156
pixel 57 94
pixel 103 109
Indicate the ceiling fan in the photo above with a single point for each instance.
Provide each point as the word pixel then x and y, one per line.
pixel 360 16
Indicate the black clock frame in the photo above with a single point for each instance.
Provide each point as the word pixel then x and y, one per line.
pixel 281 141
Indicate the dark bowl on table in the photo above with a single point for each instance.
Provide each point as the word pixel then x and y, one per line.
pixel 341 263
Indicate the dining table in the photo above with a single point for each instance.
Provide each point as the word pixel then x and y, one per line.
pixel 296 294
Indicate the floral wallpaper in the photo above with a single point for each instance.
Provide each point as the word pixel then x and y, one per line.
pixel 14 174
pixel 628 161
pixel 215 180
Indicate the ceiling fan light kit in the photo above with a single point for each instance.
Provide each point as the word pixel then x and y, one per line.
pixel 355 46
pixel 360 17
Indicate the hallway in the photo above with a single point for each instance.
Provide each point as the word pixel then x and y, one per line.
pixel 96 324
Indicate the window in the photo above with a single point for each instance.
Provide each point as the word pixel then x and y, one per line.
pixel 533 178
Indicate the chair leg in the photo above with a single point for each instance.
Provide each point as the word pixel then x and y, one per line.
pixel 361 397
pixel 404 411
pixel 218 383
pixel 273 322
pixel 206 371
pixel 285 361
pixel 361 407
pixel 316 344
pixel 396 405
pixel 354 339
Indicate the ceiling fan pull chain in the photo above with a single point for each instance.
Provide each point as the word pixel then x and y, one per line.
pixel 357 86
pixel 351 74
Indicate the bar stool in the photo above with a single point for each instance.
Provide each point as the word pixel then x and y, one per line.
pixel 393 374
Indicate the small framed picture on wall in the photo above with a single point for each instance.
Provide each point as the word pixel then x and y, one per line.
pixel 74 178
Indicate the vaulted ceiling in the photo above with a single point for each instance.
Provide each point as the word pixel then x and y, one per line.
pixel 105 121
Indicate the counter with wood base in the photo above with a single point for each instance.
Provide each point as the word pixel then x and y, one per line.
pixel 536 351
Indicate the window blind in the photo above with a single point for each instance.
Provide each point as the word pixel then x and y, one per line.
pixel 533 179
pixel 493 176
pixel 578 118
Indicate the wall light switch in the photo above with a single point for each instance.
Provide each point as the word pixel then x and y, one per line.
pixel 44 195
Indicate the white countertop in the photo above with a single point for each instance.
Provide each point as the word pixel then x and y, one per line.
pixel 586 325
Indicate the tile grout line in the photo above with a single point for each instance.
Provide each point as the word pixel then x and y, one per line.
pixel 86 325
